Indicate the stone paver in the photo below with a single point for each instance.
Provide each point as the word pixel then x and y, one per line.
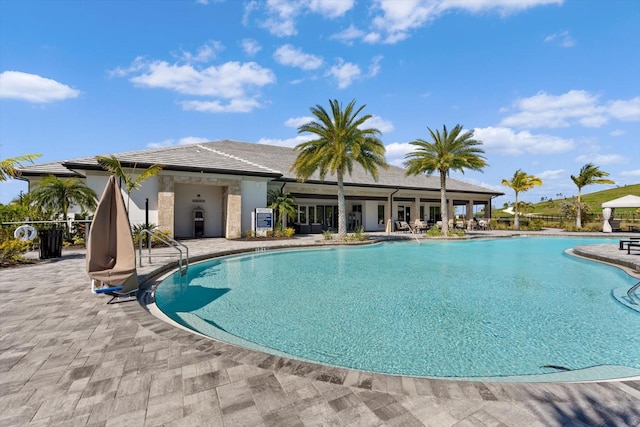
pixel 67 358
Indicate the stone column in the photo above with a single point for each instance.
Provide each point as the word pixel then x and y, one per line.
pixel 166 205
pixel 233 223
pixel 469 210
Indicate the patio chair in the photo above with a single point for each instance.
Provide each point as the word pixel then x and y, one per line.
pixel 634 246
pixel 403 226
pixel 420 225
pixel 628 241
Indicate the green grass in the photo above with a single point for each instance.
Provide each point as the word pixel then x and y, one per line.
pixel 594 200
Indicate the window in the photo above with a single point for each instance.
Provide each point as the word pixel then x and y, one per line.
pixel 434 213
pixel 381 214
pixel 421 213
pixel 302 215
pixel 404 213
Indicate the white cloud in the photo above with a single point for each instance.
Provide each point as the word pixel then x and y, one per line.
pixel 182 141
pixel 617 132
pixel 628 110
pixel 384 126
pixel 250 46
pixel 345 73
pixel 234 82
pixel 573 107
pixel 33 88
pixel 288 55
pixel 552 174
pixel 632 173
pixel 506 141
pixel 349 35
pixel 374 67
pixel 396 19
pixel 331 8
pixel 562 39
pixel 280 15
pixel 237 105
pixel 296 122
pixel 205 53
pixel 601 159
pixel 228 80
pixel 396 152
pixel 290 142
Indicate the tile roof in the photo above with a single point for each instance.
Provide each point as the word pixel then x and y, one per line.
pixel 244 158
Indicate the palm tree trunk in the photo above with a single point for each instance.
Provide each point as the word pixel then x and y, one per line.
pixel 579 216
pixel 443 203
pixel 342 218
pixel 516 219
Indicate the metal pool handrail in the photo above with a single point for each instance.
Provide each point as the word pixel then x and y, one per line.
pixel 183 263
pixel 631 291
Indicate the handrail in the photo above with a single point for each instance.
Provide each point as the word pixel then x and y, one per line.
pixel 631 291
pixel 169 241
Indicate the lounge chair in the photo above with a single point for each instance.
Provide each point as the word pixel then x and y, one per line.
pixel 403 226
pixel 634 246
pixel 624 242
pixel 420 226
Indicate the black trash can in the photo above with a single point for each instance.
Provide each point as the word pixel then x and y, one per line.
pixel 50 243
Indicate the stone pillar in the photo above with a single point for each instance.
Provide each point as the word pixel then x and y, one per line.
pixel 388 214
pixel 233 223
pixel 166 205
pixel 469 210
pixel 416 209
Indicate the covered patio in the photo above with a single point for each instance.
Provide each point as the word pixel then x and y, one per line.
pixel 608 211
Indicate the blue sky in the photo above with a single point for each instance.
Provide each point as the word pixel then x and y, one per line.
pixel 547 85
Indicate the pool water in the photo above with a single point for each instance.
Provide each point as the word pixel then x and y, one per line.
pixel 456 309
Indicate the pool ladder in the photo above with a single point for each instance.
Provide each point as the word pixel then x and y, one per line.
pixel 631 291
pixel 183 261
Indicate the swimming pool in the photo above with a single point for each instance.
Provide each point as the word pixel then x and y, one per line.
pixel 453 309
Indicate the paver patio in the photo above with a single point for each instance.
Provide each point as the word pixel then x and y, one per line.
pixel 67 358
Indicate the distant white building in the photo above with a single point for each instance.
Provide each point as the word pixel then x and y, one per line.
pixel 225 181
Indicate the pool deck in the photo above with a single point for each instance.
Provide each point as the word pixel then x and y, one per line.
pixel 67 358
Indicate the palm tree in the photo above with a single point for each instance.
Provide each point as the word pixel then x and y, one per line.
pixel 284 204
pixel 447 151
pixel 342 140
pixel 589 174
pixel 521 181
pixel 56 195
pixel 131 182
pixel 8 167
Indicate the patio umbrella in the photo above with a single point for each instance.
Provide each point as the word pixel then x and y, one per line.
pixel 111 257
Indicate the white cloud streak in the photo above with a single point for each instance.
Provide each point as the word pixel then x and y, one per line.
pixel 396 19
pixel 507 142
pixel 562 39
pixel 281 15
pixel 250 47
pixel 345 73
pixel 233 85
pixel 182 141
pixel 574 107
pixel 33 88
pixel 290 56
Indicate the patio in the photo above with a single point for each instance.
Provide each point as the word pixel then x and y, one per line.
pixel 68 359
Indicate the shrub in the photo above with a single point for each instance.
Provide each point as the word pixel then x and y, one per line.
pixel 11 250
pixel 434 231
pixel 249 233
pixel 456 232
pixel 327 235
pixel 360 235
pixel 535 225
